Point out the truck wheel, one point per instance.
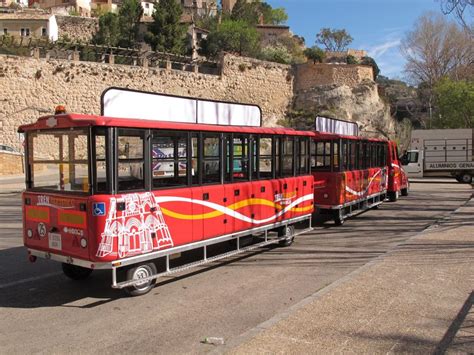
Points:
(75, 272)
(392, 196)
(287, 231)
(338, 216)
(404, 192)
(465, 178)
(140, 272)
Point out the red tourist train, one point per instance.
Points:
(130, 194)
(112, 196)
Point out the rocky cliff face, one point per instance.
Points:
(360, 103)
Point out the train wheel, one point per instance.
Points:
(404, 192)
(140, 272)
(287, 231)
(75, 272)
(465, 178)
(339, 216)
(393, 196)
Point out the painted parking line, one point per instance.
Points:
(29, 279)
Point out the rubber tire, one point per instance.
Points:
(146, 269)
(338, 217)
(289, 232)
(465, 178)
(404, 192)
(75, 272)
(392, 196)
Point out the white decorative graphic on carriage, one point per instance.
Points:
(138, 228)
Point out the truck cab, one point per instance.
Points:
(412, 162)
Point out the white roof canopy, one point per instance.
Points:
(126, 103)
(332, 125)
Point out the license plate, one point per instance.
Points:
(54, 240)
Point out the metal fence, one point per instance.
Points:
(70, 50)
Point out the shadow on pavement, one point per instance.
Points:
(460, 335)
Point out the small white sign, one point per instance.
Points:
(54, 240)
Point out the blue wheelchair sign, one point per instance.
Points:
(98, 209)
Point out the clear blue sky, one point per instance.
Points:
(376, 25)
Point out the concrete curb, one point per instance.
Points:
(251, 333)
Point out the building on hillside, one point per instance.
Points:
(194, 37)
(270, 34)
(102, 6)
(228, 5)
(148, 7)
(341, 56)
(67, 7)
(199, 7)
(7, 3)
(29, 24)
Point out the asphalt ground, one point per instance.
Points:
(42, 311)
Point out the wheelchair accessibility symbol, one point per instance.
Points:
(98, 209)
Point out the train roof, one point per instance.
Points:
(331, 136)
(79, 120)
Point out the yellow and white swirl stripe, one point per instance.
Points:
(364, 192)
(231, 210)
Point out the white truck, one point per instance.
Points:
(441, 153)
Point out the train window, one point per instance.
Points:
(277, 157)
(323, 156)
(363, 155)
(240, 160)
(353, 164)
(371, 155)
(195, 167)
(169, 160)
(101, 184)
(288, 157)
(211, 159)
(265, 160)
(335, 156)
(303, 156)
(345, 155)
(130, 160)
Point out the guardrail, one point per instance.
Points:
(78, 51)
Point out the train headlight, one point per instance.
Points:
(83, 242)
(326, 195)
(29, 233)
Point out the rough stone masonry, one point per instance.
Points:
(34, 87)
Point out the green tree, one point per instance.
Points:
(278, 54)
(108, 33)
(455, 104)
(253, 12)
(244, 11)
(232, 36)
(333, 39)
(129, 17)
(350, 59)
(166, 33)
(279, 16)
(371, 61)
(315, 54)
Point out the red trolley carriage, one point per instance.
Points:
(350, 174)
(398, 183)
(121, 194)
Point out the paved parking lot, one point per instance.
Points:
(42, 311)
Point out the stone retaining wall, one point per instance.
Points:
(11, 164)
(309, 75)
(33, 87)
